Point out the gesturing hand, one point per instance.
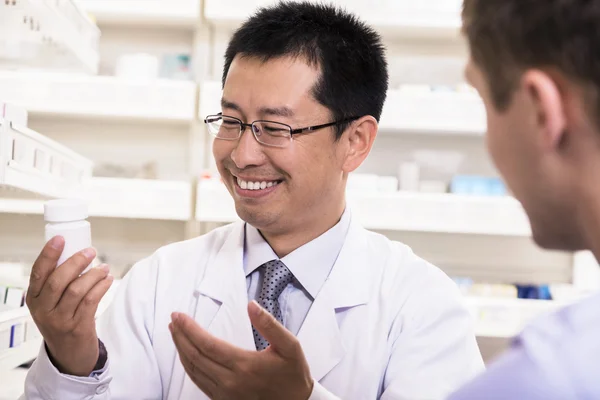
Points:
(223, 371)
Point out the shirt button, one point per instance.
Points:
(101, 389)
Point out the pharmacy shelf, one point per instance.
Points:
(33, 163)
(169, 13)
(504, 318)
(123, 198)
(140, 199)
(458, 113)
(414, 212)
(406, 111)
(435, 19)
(48, 34)
(69, 95)
(26, 351)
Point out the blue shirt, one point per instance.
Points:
(310, 264)
(556, 359)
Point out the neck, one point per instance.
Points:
(283, 243)
(590, 221)
(588, 191)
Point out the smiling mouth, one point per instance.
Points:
(255, 185)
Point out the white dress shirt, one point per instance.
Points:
(310, 264)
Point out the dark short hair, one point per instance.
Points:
(507, 37)
(349, 54)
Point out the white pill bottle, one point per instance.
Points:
(67, 218)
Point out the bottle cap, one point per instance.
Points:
(65, 210)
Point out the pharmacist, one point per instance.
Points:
(345, 313)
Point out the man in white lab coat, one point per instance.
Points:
(344, 313)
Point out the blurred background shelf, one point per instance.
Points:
(12, 358)
(18, 323)
(171, 13)
(48, 34)
(433, 19)
(141, 199)
(123, 198)
(433, 113)
(504, 318)
(33, 163)
(70, 95)
(28, 350)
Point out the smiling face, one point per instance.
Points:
(281, 189)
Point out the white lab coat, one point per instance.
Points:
(386, 324)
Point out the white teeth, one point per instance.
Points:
(255, 185)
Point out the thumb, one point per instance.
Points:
(281, 340)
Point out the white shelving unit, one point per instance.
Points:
(171, 13)
(27, 350)
(48, 33)
(141, 199)
(31, 162)
(433, 113)
(413, 212)
(69, 95)
(504, 318)
(425, 19)
(16, 356)
(123, 198)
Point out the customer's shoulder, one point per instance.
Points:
(564, 345)
(577, 323)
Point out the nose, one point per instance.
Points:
(248, 152)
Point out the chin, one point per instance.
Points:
(259, 219)
(555, 238)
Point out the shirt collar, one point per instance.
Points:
(310, 263)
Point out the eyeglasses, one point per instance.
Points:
(269, 133)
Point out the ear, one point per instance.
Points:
(544, 91)
(360, 137)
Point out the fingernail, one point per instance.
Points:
(56, 242)
(104, 267)
(89, 253)
(256, 310)
(110, 277)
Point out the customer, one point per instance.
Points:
(304, 86)
(536, 64)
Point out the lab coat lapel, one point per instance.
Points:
(222, 301)
(345, 288)
(223, 295)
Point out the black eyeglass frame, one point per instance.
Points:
(308, 129)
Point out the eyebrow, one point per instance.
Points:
(273, 111)
(228, 104)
